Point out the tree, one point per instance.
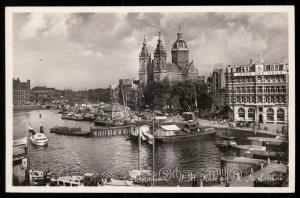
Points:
(157, 94)
(180, 96)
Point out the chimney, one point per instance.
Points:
(251, 61)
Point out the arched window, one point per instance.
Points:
(251, 113)
(280, 114)
(241, 113)
(270, 114)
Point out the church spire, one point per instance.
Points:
(179, 34)
(145, 42)
(159, 46)
(144, 51)
(159, 40)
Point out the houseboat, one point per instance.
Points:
(170, 133)
(268, 142)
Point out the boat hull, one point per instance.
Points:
(85, 134)
(38, 143)
(179, 138)
(136, 138)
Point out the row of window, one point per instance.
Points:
(259, 99)
(270, 114)
(273, 67)
(251, 68)
(277, 78)
(245, 69)
(267, 89)
(260, 79)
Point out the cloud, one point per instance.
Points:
(96, 49)
(43, 25)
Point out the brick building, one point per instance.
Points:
(21, 92)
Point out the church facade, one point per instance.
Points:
(158, 69)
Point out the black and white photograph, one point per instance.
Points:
(150, 99)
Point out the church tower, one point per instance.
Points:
(159, 61)
(144, 61)
(180, 51)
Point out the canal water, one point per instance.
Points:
(107, 155)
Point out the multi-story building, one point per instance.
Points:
(129, 92)
(43, 94)
(21, 92)
(114, 93)
(258, 92)
(218, 88)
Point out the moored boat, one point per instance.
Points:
(225, 142)
(172, 133)
(74, 131)
(38, 139)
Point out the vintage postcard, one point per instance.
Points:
(150, 99)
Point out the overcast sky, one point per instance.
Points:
(82, 50)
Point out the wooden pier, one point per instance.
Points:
(112, 131)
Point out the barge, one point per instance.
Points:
(74, 131)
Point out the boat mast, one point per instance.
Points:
(139, 155)
(153, 173)
(123, 96)
(196, 104)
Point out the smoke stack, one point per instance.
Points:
(251, 61)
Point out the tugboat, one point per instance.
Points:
(38, 139)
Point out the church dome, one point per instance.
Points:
(180, 43)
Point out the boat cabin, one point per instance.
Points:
(70, 181)
(167, 130)
(247, 150)
(226, 140)
(264, 141)
(188, 116)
